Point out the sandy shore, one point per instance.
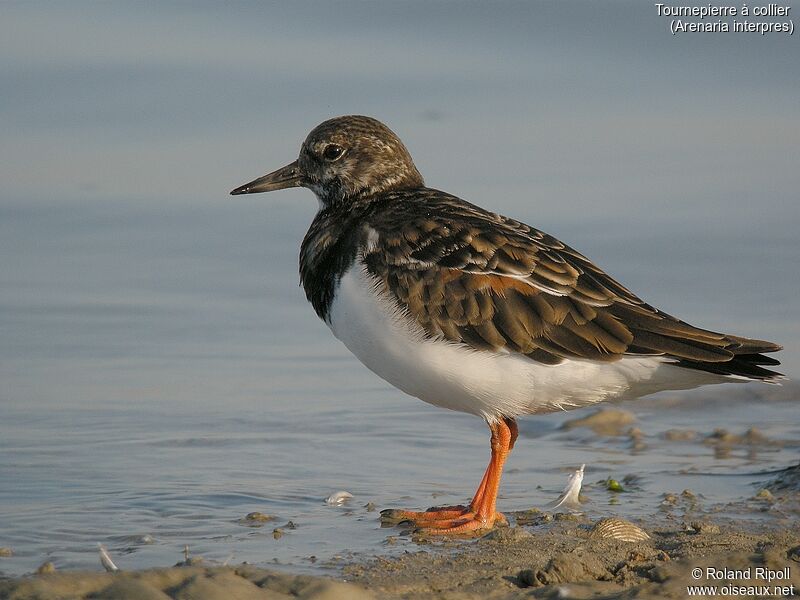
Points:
(565, 560)
(562, 561)
(541, 556)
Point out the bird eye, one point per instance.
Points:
(332, 152)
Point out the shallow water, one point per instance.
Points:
(161, 374)
(163, 377)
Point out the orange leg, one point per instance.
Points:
(481, 513)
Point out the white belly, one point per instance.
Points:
(491, 385)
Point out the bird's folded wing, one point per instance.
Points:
(493, 283)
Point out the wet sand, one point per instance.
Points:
(560, 561)
(542, 555)
(565, 560)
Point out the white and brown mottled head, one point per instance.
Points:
(345, 158)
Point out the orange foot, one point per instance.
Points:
(393, 516)
(443, 520)
(468, 523)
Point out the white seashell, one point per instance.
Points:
(106, 561)
(338, 498)
(619, 529)
(569, 498)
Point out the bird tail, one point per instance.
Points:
(748, 361)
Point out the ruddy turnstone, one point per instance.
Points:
(472, 311)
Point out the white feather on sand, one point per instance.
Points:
(570, 497)
(106, 561)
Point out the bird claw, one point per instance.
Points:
(469, 524)
(443, 520)
(393, 516)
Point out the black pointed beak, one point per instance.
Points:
(285, 177)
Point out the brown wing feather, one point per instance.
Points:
(490, 282)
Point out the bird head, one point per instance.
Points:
(344, 158)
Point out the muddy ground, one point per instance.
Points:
(542, 555)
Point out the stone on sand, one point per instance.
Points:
(608, 422)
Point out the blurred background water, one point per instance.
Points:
(161, 374)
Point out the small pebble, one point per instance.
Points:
(507, 535)
(670, 499)
(257, 517)
(764, 494)
(608, 422)
(679, 435)
(339, 498)
(636, 436)
(703, 527)
(277, 533)
(46, 568)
